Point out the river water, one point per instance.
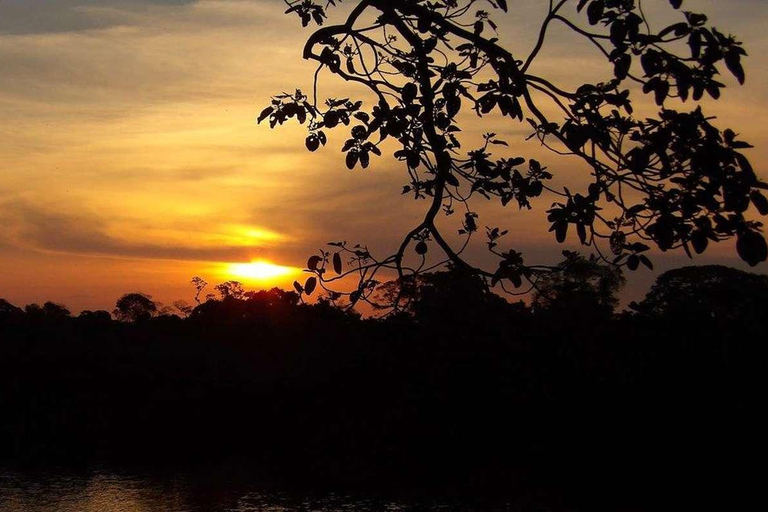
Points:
(110, 490)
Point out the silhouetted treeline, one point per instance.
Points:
(461, 388)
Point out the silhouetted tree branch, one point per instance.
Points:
(673, 181)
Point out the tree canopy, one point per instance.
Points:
(708, 292)
(672, 180)
(135, 307)
(583, 286)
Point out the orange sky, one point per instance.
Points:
(131, 161)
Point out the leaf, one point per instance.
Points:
(351, 160)
(561, 231)
(310, 285)
(699, 241)
(647, 262)
(410, 91)
(365, 159)
(595, 11)
(313, 262)
(264, 114)
(662, 91)
(337, 263)
(348, 144)
(695, 41)
(582, 232)
(633, 262)
(312, 143)
(752, 248)
(733, 63)
(298, 287)
(760, 202)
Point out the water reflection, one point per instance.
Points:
(130, 491)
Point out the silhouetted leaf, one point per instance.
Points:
(760, 202)
(337, 263)
(310, 285)
(409, 92)
(313, 262)
(733, 63)
(561, 231)
(365, 159)
(312, 142)
(264, 114)
(595, 11)
(581, 230)
(699, 241)
(662, 91)
(752, 248)
(351, 160)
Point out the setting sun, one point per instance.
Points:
(259, 270)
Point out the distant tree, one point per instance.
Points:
(49, 311)
(8, 311)
(95, 316)
(183, 307)
(135, 307)
(707, 292)
(273, 297)
(453, 295)
(230, 289)
(33, 309)
(672, 179)
(199, 284)
(582, 286)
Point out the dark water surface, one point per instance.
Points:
(196, 490)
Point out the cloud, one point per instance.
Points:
(46, 16)
(31, 227)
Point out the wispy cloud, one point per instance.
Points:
(31, 227)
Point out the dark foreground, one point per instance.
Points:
(207, 489)
(550, 411)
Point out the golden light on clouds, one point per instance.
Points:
(250, 234)
(260, 271)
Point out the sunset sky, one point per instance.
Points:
(130, 159)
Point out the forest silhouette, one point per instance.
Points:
(459, 388)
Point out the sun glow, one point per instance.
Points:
(259, 270)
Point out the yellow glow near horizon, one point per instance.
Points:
(259, 270)
(256, 234)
